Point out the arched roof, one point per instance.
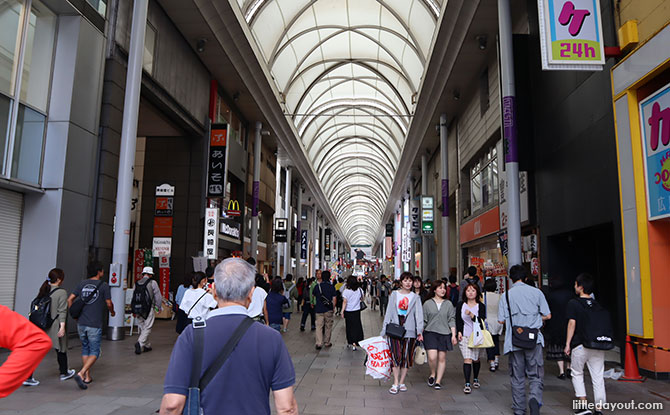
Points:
(348, 73)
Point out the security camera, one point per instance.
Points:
(200, 45)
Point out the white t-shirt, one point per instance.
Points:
(201, 307)
(402, 303)
(255, 308)
(353, 299)
(439, 305)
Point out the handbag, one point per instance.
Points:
(480, 337)
(522, 337)
(198, 384)
(362, 305)
(395, 330)
(78, 304)
(420, 354)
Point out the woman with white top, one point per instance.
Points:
(197, 301)
(468, 313)
(351, 311)
(491, 300)
(439, 333)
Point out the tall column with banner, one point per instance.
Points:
(327, 235)
(425, 238)
(216, 166)
(288, 214)
(298, 237)
(406, 236)
(315, 230)
(397, 246)
(281, 230)
(415, 225)
(256, 190)
(444, 173)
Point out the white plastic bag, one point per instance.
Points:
(378, 364)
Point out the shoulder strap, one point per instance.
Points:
(194, 304)
(54, 290)
(198, 348)
(509, 308)
(225, 353)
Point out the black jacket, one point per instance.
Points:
(459, 319)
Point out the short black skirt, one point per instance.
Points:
(436, 341)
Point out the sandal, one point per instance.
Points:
(475, 383)
(393, 390)
(467, 388)
(402, 387)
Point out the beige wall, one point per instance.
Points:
(651, 15)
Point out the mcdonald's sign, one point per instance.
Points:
(233, 208)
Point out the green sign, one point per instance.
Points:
(427, 228)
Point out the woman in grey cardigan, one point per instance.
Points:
(439, 332)
(57, 333)
(404, 308)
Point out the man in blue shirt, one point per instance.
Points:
(260, 362)
(324, 299)
(529, 309)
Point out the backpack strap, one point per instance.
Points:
(225, 353)
(199, 325)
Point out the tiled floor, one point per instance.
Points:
(330, 381)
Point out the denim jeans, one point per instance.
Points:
(275, 326)
(90, 340)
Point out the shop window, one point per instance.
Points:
(148, 56)
(10, 18)
(484, 182)
(37, 57)
(27, 157)
(99, 5)
(5, 109)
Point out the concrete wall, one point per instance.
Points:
(651, 15)
(56, 224)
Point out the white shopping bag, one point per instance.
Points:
(378, 364)
(477, 336)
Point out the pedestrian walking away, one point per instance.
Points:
(404, 311)
(307, 307)
(453, 291)
(257, 309)
(470, 311)
(439, 333)
(492, 300)
(558, 296)
(88, 304)
(384, 291)
(147, 301)
(524, 308)
(351, 306)
(197, 301)
(471, 278)
(291, 294)
(275, 303)
(588, 335)
(324, 300)
(258, 362)
(49, 309)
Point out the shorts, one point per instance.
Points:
(90, 340)
(437, 341)
(287, 316)
(467, 352)
(275, 326)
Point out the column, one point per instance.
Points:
(510, 133)
(278, 214)
(398, 242)
(315, 230)
(256, 189)
(444, 173)
(298, 236)
(289, 216)
(124, 187)
(412, 243)
(425, 239)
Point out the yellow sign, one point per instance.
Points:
(233, 208)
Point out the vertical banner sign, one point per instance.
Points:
(216, 167)
(326, 245)
(655, 119)
(281, 229)
(445, 197)
(406, 242)
(427, 215)
(164, 276)
(415, 218)
(303, 244)
(255, 198)
(138, 264)
(211, 241)
(571, 36)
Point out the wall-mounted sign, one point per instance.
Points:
(211, 239)
(427, 215)
(415, 218)
(281, 229)
(571, 35)
(216, 167)
(405, 236)
(163, 226)
(326, 245)
(115, 275)
(303, 244)
(164, 206)
(523, 198)
(655, 119)
(230, 228)
(389, 229)
(161, 247)
(164, 276)
(233, 208)
(165, 190)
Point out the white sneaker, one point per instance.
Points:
(70, 375)
(31, 382)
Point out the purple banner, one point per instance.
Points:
(254, 201)
(445, 198)
(510, 130)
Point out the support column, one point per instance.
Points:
(397, 231)
(256, 190)
(289, 216)
(412, 242)
(298, 236)
(278, 214)
(124, 189)
(444, 173)
(315, 231)
(425, 239)
(510, 133)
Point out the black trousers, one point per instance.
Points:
(383, 302)
(354, 328)
(494, 351)
(307, 309)
(62, 362)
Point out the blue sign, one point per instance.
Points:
(655, 119)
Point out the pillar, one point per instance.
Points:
(289, 216)
(425, 239)
(444, 173)
(298, 237)
(278, 214)
(256, 190)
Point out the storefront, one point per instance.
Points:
(11, 213)
(641, 96)
(479, 241)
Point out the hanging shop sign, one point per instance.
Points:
(571, 36)
(233, 208)
(216, 167)
(427, 215)
(483, 225)
(230, 228)
(303, 244)
(326, 245)
(161, 247)
(211, 239)
(281, 229)
(164, 276)
(655, 119)
(405, 235)
(388, 247)
(164, 190)
(503, 189)
(389, 229)
(415, 218)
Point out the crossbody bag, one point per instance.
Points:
(362, 305)
(522, 337)
(78, 304)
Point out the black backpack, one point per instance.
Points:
(453, 295)
(141, 303)
(596, 327)
(40, 312)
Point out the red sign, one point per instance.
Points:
(113, 279)
(139, 264)
(483, 225)
(162, 227)
(164, 275)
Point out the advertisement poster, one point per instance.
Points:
(164, 276)
(655, 120)
(216, 167)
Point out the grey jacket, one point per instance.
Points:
(439, 321)
(413, 323)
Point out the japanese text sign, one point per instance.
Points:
(655, 129)
(211, 238)
(571, 35)
(216, 167)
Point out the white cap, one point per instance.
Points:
(148, 270)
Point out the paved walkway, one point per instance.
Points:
(330, 381)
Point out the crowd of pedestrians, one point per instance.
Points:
(564, 325)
